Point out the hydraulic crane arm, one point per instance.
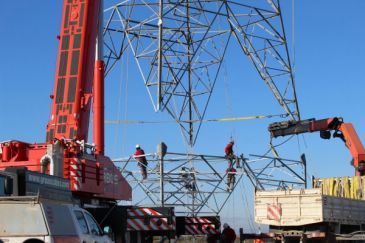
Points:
(345, 131)
(311, 125)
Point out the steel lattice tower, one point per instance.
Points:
(180, 45)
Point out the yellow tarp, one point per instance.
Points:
(348, 187)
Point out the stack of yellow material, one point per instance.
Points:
(348, 187)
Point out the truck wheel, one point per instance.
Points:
(33, 241)
(290, 241)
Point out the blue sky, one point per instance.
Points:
(329, 64)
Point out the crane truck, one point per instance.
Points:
(96, 184)
(38, 208)
(334, 209)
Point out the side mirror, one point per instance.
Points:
(109, 232)
(106, 230)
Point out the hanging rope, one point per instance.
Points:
(251, 225)
(272, 147)
(233, 212)
(293, 35)
(227, 96)
(118, 110)
(243, 118)
(126, 105)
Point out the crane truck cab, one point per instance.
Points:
(39, 208)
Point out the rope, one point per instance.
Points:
(116, 131)
(248, 212)
(228, 99)
(119, 102)
(124, 133)
(272, 147)
(293, 34)
(243, 118)
(234, 208)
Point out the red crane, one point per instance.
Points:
(79, 82)
(342, 130)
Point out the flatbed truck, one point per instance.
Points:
(320, 214)
(307, 214)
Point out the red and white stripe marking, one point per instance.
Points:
(199, 226)
(135, 220)
(274, 212)
(75, 174)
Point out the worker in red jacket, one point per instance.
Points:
(228, 235)
(139, 155)
(229, 154)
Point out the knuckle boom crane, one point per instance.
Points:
(331, 211)
(345, 131)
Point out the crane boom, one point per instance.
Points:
(79, 82)
(74, 75)
(345, 131)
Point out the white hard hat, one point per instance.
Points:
(137, 146)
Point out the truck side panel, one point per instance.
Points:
(21, 219)
(295, 207)
(343, 210)
(303, 207)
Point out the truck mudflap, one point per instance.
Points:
(151, 219)
(207, 225)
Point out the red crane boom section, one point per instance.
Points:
(74, 74)
(355, 146)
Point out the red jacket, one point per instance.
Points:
(229, 149)
(141, 159)
(228, 235)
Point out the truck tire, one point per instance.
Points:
(33, 241)
(290, 240)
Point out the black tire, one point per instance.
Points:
(33, 241)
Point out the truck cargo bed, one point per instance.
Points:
(306, 206)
